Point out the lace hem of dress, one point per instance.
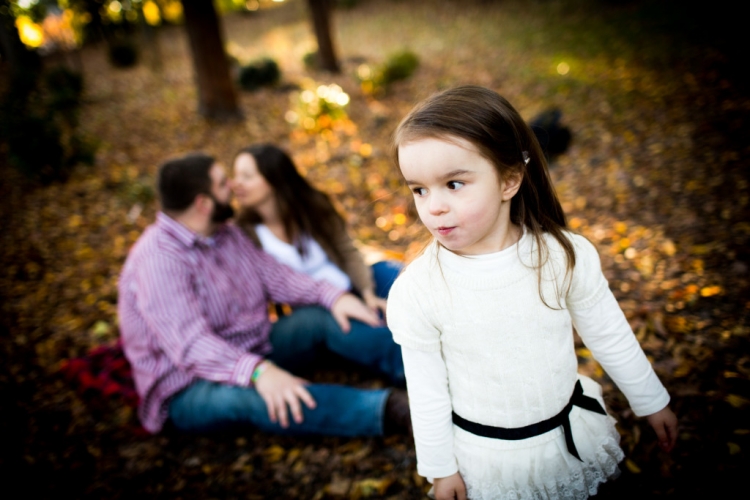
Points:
(576, 480)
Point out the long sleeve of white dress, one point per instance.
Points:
(430, 404)
(605, 331)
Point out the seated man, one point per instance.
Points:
(192, 304)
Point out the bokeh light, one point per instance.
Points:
(31, 33)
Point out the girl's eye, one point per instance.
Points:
(419, 191)
(454, 185)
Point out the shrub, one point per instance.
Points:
(399, 66)
(318, 107)
(38, 123)
(65, 89)
(34, 147)
(310, 60)
(123, 53)
(258, 74)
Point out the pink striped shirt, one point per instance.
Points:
(192, 307)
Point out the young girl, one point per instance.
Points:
(485, 315)
(297, 224)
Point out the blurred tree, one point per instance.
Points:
(321, 16)
(217, 98)
(94, 29)
(11, 47)
(151, 39)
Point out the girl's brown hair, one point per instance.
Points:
(302, 208)
(493, 126)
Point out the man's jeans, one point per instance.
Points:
(340, 410)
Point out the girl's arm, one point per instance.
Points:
(606, 332)
(430, 404)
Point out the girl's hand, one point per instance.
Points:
(450, 488)
(374, 302)
(664, 423)
(349, 306)
(280, 389)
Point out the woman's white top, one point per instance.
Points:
(478, 340)
(315, 262)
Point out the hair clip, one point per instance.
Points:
(525, 157)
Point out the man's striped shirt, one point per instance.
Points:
(192, 307)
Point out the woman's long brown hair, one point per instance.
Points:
(496, 129)
(302, 208)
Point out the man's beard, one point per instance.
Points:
(222, 212)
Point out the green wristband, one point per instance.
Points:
(259, 369)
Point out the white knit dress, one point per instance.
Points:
(507, 360)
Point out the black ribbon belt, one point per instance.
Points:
(516, 433)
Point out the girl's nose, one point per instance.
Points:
(437, 205)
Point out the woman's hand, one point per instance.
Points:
(450, 488)
(348, 306)
(374, 302)
(279, 388)
(664, 423)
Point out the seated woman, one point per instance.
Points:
(297, 224)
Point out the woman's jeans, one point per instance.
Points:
(340, 410)
(384, 273)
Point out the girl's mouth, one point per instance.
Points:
(443, 231)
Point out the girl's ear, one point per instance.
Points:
(511, 185)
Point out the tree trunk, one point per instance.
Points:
(17, 55)
(94, 28)
(151, 38)
(217, 98)
(321, 15)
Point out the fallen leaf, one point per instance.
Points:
(274, 453)
(339, 486)
(737, 401)
(632, 466)
(370, 487)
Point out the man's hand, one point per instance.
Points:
(348, 306)
(450, 488)
(664, 423)
(374, 302)
(279, 388)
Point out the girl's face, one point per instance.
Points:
(459, 194)
(249, 186)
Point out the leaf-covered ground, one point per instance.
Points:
(656, 177)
